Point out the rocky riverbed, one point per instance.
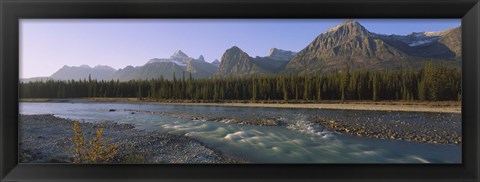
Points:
(47, 139)
(439, 132)
(216, 118)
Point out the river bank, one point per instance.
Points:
(47, 139)
(401, 106)
(279, 135)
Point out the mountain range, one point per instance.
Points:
(352, 44)
(348, 43)
(178, 63)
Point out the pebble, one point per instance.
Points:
(441, 132)
(57, 147)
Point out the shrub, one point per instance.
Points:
(96, 150)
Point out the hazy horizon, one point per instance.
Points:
(47, 45)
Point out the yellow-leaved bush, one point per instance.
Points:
(95, 150)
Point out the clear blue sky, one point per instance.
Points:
(47, 45)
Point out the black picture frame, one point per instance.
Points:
(13, 10)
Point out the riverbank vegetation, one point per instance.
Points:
(95, 150)
(434, 82)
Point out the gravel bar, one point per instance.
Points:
(438, 132)
(219, 118)
(434, 132)
(47, 139)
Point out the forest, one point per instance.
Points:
(433, 82)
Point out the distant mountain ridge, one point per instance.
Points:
(179, 63)
(83, 72)
(348, 43)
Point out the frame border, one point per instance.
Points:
(13, 10)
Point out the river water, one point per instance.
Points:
(299, 141)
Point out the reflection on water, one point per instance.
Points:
(299, 141)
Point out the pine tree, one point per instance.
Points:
(374, 87)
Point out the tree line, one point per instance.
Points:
(433, 82)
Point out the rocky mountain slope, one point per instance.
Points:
(235, 62)
(352, 44)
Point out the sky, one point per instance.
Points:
(46, 45)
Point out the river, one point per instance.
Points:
(298, 141)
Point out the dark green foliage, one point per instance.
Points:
(439, 83)
(433, 82)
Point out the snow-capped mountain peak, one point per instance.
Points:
(421, 42)
(160, 60)
(421, 38)
(280, 54)
(178, 55)
(179, 58)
